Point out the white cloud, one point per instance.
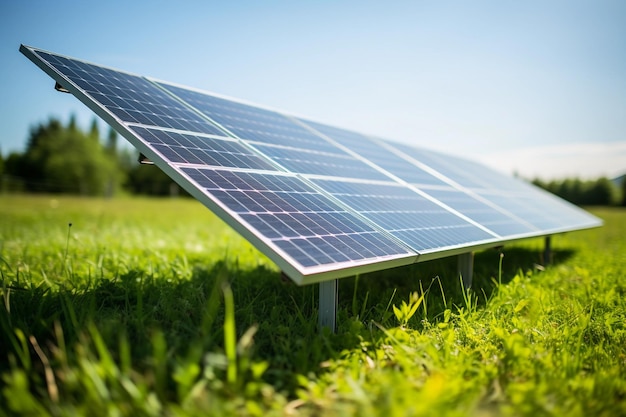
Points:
(583, 160)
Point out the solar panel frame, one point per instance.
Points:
(199, 126)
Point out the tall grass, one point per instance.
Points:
(154, 307)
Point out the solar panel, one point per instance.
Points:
(320, 201)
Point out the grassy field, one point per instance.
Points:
(134, 307)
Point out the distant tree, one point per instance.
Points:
(2, 180)
(599, 193)
(623, 191)
(539, 183)
(64, 159)
(149, 179)
(72, 124)
(94, 130)
(110, 150)
(554, 187)
(570, 189)
(30, 166)
(13, 167)
(111, 144)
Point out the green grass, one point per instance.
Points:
(154, 307)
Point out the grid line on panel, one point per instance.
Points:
(250, 122)
(397, 168)
(189, 148)
(130, 98)
(405, 214)
(489, 209)
(370, 150)
(499, 221)
(542, 212)
(448, 170)
(312, 162)
(520, 201)
(285, 141)
(296, 218)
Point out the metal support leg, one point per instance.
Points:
(547, 251)
(328, 304)
(466, 268)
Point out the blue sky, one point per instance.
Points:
(534, 87)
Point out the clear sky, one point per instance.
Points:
(536, 87)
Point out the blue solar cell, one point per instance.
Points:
(544, 212)
(265, 202)
(251, 122)
(494, 218)
(183, 148)
(286, 142)
(305, 161)
(130, 98)
(369, 149)
(463, 172)
(415, 220)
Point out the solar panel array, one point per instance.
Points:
(321, 202)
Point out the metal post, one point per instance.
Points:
(547, 251)
(466, 268)
(328, 304)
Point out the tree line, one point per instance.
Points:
(598, 192)
(65, 159)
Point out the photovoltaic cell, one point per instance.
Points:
(305, 161)
(448, 168)
(299, 220)
(520, 200)
(498, 221)
(281, 138)
(130, 98)
(322, 202)
(250, 122)
(541, 211)
(367, 148)
(415, 220)
(183, 148)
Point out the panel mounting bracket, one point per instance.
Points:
(327, 316)
(465, 268)
(144, 160)
(60, 88)
(547, 251)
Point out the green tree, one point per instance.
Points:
(13, 165)
(539, 183)
(624, 191)
(111, 144)
(72, 124)
(149, 179)
(570, 189)
(94, 130)
(599, 193)
(2, 179)
(65, 159)
(110, 150)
